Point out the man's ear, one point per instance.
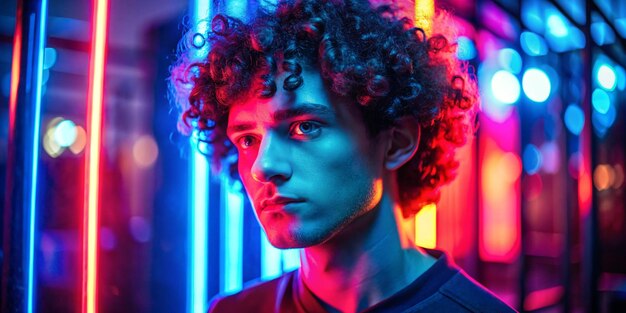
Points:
(403, 142)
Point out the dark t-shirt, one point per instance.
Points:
(442, 288)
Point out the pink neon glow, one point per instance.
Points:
(500, 170)
(456, 221)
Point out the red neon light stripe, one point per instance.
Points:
(15, 73)
(94, 126)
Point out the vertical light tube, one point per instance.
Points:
(232, 235)
(32, 216)
(424, 12)
(232, 208)
(426, 218)
(291, 259)
(426, 226)
(199, 213)
(94, 117)
(271, 259)
(15, 71)
(199, 231)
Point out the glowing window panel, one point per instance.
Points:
(602, 34)
(606, 77)
(556, 25)
(510, 59)
(550, 153)
(603, 121)
(533, 44)
(532, 159)
(543, 18)
(621, 77)
(574, 119)
(536, 85)
(505, 87)
(94, 117)
(601, 101)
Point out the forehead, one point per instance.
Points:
(312, 94)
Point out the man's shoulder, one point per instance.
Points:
(470, 294)
(258, 296)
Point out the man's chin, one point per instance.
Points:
(293, 240)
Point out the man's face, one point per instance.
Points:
(306, 162)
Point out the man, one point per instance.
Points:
(343, 120)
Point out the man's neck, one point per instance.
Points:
(369, 261)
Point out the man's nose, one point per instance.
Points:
(271, 162)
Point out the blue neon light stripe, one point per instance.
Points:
(291, 259)
(200, 10)
(232, 237)
(199, 231)
(271, 259)
(35, 157)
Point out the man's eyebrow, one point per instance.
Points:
(306, 108)
(239, 128)
(281, 115)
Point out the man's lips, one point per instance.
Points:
(277, 202)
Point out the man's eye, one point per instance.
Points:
(305, 128)
(245, 142)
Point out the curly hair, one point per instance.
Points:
(382, 61)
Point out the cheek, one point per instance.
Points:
(243, 167)
(337, 166)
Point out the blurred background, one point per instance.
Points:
(107, 207)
